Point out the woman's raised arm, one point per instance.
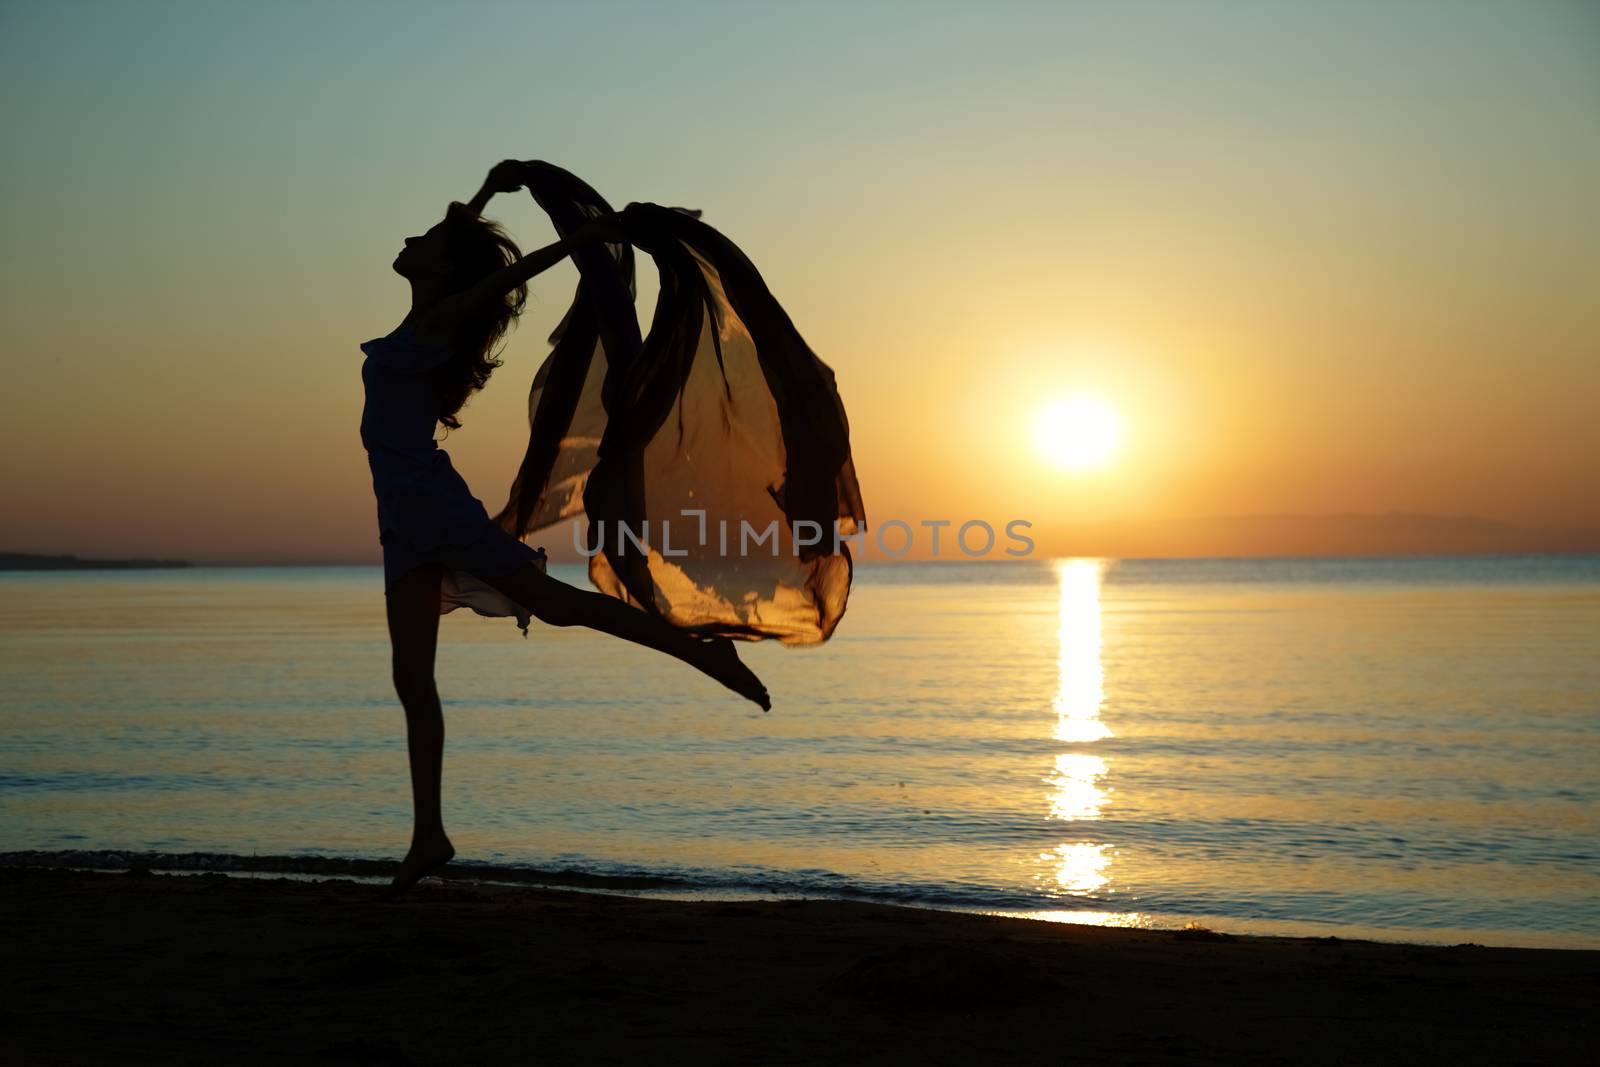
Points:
(504, 177)
(469, 304)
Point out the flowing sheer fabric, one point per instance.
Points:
(711, 457)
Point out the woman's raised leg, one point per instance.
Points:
(556, 603)
(414, 634)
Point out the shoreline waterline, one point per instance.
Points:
(669, 887)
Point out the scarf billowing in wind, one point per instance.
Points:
(718, 440)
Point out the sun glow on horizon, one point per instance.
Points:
(1079, 433)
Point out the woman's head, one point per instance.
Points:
(451, 257)
(456, 251)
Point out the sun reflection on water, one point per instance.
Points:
(1080, 684)
(1075, 791)
(1080, 868)
(1076, 795)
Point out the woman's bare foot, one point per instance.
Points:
(424, 858)
(720, 660)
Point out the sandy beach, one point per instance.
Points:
(136, 967)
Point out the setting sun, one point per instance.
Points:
(1079, 433)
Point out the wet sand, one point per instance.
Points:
(131, 967)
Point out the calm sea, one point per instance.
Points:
(1394, 748)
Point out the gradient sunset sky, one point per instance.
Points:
(1320, 258)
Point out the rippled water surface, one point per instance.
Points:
(1363, 747)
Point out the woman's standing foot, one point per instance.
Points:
(425, 857)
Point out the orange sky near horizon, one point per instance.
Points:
(1319, 259)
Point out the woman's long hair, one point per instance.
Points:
(475, 247)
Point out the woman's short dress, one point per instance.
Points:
(426, 512)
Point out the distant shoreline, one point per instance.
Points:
(28, 561)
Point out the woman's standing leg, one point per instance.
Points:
(414, 634)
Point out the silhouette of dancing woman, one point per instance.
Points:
(468, 283)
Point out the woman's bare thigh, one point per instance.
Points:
(548, 599)
(413, 608)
